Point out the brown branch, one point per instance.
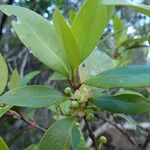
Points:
(122, 131)
(91, 134)
(144, 146)
(32, 124)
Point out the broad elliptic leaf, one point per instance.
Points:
(127, 77)
(32, 96)
(145, 9)
(3, 145)
(38, 36)
(3, 74)
(89, 25)
(66, 39)
(28, 77)
(14, 80)
(57, 137)
(72, 15)
(123, 103)
(96, 63)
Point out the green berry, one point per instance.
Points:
(103, 140)
(89, 117)
(89, 110)
(77, 124)
(74, 104)
(77, 94)
(68, 91)
(83, 99)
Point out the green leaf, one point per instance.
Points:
(57, 76)
(27, 78)
(135, 41)
(31, 96)
(120, 32)
(42, 42)
(89, 25)
(123, 103)
(66, 39)
(136, 6)
(110, 12)
(4, 109)
(32, 147)
(76, 138)
(96, 63)
(128, 92)
(127, 77)
(3, 145)
(65, 106)
(82, 145)
(72, 15)
(14, 80)
(57, 137)
(3, 74)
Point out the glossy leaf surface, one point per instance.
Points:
(123, 103)
(127, 77)
(42, 42)
(89, 25)
(58, 135)
(96, 63)
(31, 96)
(66, 39)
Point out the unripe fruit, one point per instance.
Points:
(77, 124)
(77, 94)
(74, 104)
(68, 91)
(89, 110)
(103, 140)
(89, 117)
(83, 99)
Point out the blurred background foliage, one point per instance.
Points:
(126, 43)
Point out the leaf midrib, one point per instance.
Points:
(46, 46)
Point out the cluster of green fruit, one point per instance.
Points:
(80, 102)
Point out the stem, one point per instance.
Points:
(146, 142)
(91, 134)
(122, 131)
(32, 124)
(100, 146)
(74, 82)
